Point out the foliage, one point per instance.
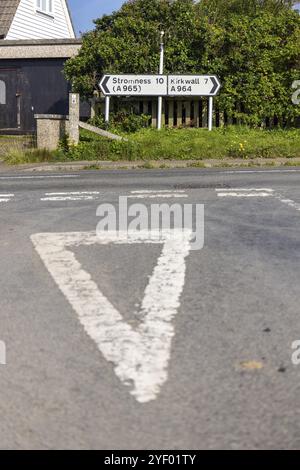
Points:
(252, 45)
(122, 121)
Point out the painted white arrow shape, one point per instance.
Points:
(141, 355)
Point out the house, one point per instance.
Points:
(35, 19)
(36, 38)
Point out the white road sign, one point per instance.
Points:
(193, 85)
(134, 85)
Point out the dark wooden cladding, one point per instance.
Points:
(34, 86)
(9, 105)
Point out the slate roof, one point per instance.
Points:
(8, 10)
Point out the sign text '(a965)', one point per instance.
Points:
(134, 85)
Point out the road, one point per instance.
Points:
(224, 376)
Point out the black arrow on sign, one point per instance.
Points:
(104, 85)
(215, 85)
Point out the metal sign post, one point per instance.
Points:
(210, 113)
(107, 106)
(161, 71)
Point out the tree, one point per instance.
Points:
(253, 45)
(128, 41)
(258, 60)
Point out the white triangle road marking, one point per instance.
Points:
(140, 356)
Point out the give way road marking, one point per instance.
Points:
(140, 356)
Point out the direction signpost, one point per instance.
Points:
(134, 85)
(161, 85)
(193, 85)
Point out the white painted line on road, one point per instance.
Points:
(259, 171)
(168, 191)
(72, 196)
(288, 202)
(68, 198)
(265, 190)
(245, 195)
(244, 192)
(140, 355)
(158, 196)
(6, 197)
(256, 192)
(73, 193)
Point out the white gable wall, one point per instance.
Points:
(28, 23)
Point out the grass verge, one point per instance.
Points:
(173, 144)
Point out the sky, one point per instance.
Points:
(84, 11)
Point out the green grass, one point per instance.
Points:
(197, 144)
(174, 144)
(12, 143)
(232, 142)
(20, 157)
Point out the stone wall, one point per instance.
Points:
(51, 128)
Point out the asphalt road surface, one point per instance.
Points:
(84, 371)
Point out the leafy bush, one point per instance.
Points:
(102, 149)
(122, 121)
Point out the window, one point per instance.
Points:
(45, 6)
(2, 92)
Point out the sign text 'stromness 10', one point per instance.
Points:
(134, 85)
